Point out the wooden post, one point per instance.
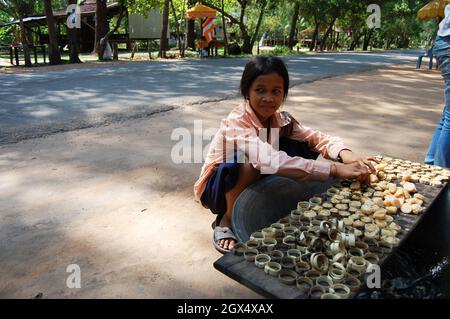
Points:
(35, 54)
(225, 38)
(201, 31)
(43, 52)
(149, 49)
(337, 41)
(115, 51)
(134, 46)
(11, 59)
(16, 54)
(39, 34)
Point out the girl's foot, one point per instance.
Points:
(227, 243)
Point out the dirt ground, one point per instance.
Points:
(110, 199)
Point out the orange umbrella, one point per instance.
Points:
(201, 11)
(434, 9)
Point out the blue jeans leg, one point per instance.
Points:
(442, 154)
(439, 150)
(430, 157)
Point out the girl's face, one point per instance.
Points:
(266, 95)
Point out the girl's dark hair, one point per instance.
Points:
(262, 66)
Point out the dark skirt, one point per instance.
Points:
(226, 176)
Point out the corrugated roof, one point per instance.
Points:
(28, 19)
(87, 8)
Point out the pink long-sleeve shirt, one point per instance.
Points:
(242, 130)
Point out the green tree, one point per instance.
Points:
(165, 24)
(294, 20)
(190, 33)
(177, 27)
(400, 25)
(334, 9)
(101, 27)
(6, 33)
(73, 40)
(19, 9)
(53, 47)
(278, 20)
(354, 22)
(248, 34)
(312, 11)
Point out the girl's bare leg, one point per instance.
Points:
(247, 176)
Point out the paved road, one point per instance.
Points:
(110, 199)
(42, 103)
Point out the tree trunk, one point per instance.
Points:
(247, 47)
(312, 46)
(26, 49)
(358, 41)
(225, 38)
(331, 42)
(403, 41)
(73, 46)
(104, 40)
(116, 27)
(355, 42)
(190, 38)
(25, 9)
(327, 34)
(29, 35)
(389, 42)
(73, 41)
(258, 25)
(430, 41)
(293, 25)
(53, 48)
(101, 26)
(336, 42)
(352, 45)
(178, 30)
(165, 23)
(367, 38)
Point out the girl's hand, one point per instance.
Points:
(356, 170)
(349, 157)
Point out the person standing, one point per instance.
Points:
(243, 151)
(439, 149)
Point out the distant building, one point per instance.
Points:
(86, 35)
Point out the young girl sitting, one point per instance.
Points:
(245, 148)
